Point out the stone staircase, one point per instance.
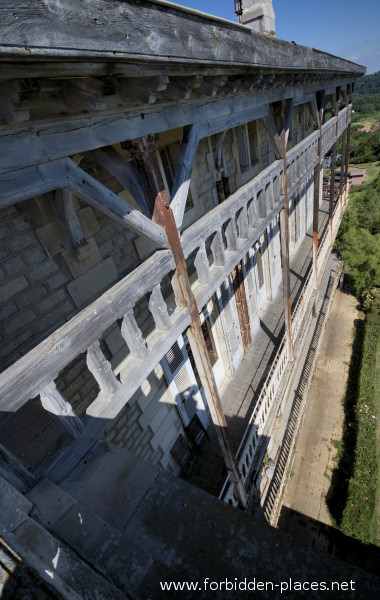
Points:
(118, 526)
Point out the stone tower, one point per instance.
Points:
(259, 15)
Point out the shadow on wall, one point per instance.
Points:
(328, 539)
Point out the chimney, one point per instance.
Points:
(257, 14)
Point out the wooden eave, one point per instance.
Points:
(138, 31)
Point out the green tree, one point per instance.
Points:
(359, 237)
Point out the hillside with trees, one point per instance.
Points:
(365, 145)
(354, 496)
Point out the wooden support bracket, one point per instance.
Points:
(53, 401)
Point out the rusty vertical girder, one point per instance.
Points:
(223, 190)
(347, 160)
(163, 215)
(242, 307)
(284, 228)
(343, 162)
(332, 191)
(333, 165)
(317, 185)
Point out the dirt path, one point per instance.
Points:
(313, 462)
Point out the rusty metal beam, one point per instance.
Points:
(343, 162)
(237, 277)
(317, 185)
(163, 215)
(284, 228)
(332, 190)
(242, 307)
(285, 259)
(335, 106)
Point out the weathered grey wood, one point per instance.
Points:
(84, 94)
(231, 235)
(202, 265)
(262, 205)
(159, 310)
(143, 89)
(10, 114)
(314, 112)
(271, 128)
(243, 223)
(69, 136)
(53, 401)
(269, 196)
(90, 190)
(123, 171)
(64, 208)
(215, 219)
(288, 118)
(182, 176)
(22, 184)
(14, 471)
(277, 189)
(133, 336)
(9, 96)
(38, 368)
(253, 213)
(101, 369)
(217, 247)
(101, 412)
(219, 148)
(27, 27)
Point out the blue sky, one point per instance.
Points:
(346, 28)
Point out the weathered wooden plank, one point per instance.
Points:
(182, 177)
(231, 234)
(159, 309)
(123, 29)
(38, 368)
(270, 126)
(32, 181)
(288, 118)
(34, 371)
(101, 369)
(101, 413)
(90, 190)
(84, 94)
(218, 250)
(243, 223)
(53, 401)
(63, 204)
(123, 171)
(22, 146)
(202, 265)
(132, 335)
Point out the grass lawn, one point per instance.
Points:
(360, 516)
(376, 531)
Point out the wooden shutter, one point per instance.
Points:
(183, 385)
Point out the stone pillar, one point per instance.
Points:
(259, 15)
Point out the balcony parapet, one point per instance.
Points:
(243, 217)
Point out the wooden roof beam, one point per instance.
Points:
(94, 193)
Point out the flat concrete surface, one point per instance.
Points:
(310, 476)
